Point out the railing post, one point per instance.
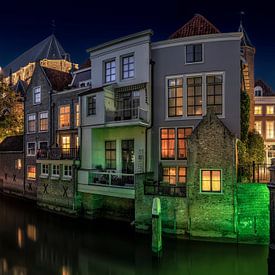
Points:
(253, 171)
(110, 179)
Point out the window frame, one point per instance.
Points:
(177, 182)
(33, 93)
(221, 181)
(52, 171)
(194, 62)
(105, 75)
(261, 126)
(28, 115)
(261, 110)
(44, 174)
(266, 108)
(59, 116)
(176, 128)
(39, 121)
(128, 64)
(93, 105)
(28, 178)
(71, 169)
(111, 150)
(76, 115)
(35, 148)
(266, 135)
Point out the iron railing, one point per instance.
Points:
(255, 172)
(127, 114)
(58, 153)
(162, 189)
(112, 179)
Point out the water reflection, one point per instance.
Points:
(49, 244)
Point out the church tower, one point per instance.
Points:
(247, 56)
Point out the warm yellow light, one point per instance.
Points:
(20, 237)
(32, 232)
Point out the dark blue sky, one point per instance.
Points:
(82, 24)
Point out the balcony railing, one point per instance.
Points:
(161, 189)
(58, 153)
(135, 114)
(112, 179)
(255, 172)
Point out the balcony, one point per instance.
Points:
(160, 189)
(58, 153)
(137, 115)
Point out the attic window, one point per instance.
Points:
(37, 95)
(194, 53)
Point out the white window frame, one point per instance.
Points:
(44, 174)
(104, 70)
(204, 95)
(67, 176)
(34, 94)
(35, 148)
(261, 108)
(55, 175)
(185, 53)
(35, 126)
(39, 114)
(122, 66)
(266, 135)
(266, 110)
(59, 107)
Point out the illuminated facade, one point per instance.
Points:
(264, 116)
(49, 53)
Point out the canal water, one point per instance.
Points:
(36, 242)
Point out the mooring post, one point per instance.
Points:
(271, 186)
(156, 227)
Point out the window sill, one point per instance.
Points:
(210, 193)
(67, 178)
(43, 176)
(55, 177)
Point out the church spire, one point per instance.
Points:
(246, 42)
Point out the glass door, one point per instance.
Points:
(127, 148)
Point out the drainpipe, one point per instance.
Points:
(24, 151)
(152, 63)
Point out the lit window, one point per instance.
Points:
(194, 96)
(128, 67)
(174, 175)
(64, 116)
(214, 85)
(76, 141)
(77, 115)
(66, 144)
(31, 172)
(258, 110)
(31, 148)
(167, 143)
(44, 169)
(170, 142)
(175, 97)
(110, 71)
(270, 110)
(18, 164)
(211, 181)
(270, 129)
(43, 121)
(55, 170)
(110, 154)
(258, 127)
(194, 53)
(31, 123)
(67, 171)
(36, 95)
(91, 105)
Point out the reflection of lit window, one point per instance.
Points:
(258, 127)
(31, 232)
(65, 270)
(20, 237)
(31, 172)
(269, 129)
(18, 164)
(173, 175)
(211, 181)
(270, 110)
(258, 110)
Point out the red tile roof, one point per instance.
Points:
(59, 80)
(198, 25)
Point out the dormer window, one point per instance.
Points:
(193, 53)
(37, 95)
(258, 91)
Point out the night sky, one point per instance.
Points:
(82, 24)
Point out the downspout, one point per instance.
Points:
(24, 151)
(152, 63)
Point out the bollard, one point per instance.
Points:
(271, 186)
(156, 227)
